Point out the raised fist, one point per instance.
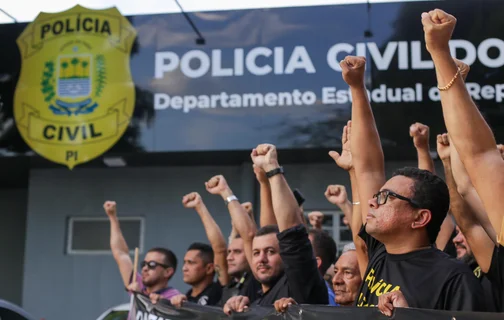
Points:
(316, 218)
(464, 68)
(420, 134)
(260, 175)
(344, 161)
(336, 194)
(216, 185)
(443, 146)
(192, 200)
(438, 28)
(110, 208)
(264, 156)
(353, 70)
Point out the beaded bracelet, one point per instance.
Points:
(448, 86)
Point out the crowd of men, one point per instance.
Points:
(403, 228)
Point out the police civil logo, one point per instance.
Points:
(75, 95)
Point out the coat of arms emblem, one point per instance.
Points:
(75, 95)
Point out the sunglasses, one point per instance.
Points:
(382, 197)
(153, 264)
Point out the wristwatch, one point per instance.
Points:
(230, 198)
(274, 172)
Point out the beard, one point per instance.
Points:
(271, 280)
(468, 259)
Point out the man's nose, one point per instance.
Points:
(373, 203)
(337, 279)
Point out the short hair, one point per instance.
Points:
(349, 247)
(431, 193)
(170, 259)
(324, 247)
(269, 229)
(205, 251)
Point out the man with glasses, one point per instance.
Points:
(157, 268)
(401, 219)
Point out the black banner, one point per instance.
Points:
(143, 309)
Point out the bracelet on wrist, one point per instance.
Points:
(274, 172)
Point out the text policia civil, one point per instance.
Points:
(278, 61)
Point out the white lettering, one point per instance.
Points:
(161, 101)
(250, 99)
(416, 57)
(285, 98)
(189, 103)
(217, 70)
(403, 55)
(379, 94)
(250, 61)
(499, 89)
(270, 99)
(483, 53)
(204, 63)
(176, 103)
(382, 62)
(328, 95)
(434, 94)
(470, 55)
(160, 67)
(488, 92)
(360, 50)
(299, 60)
(279, 60)
(309, 98)
(343, 96)
(238, 63)
(332, 55)
(474, 90)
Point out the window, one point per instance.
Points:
(333, 223)
(88, 235)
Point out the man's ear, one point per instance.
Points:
(319, 262)
(168, 273)
(210, 268)
(422, 218)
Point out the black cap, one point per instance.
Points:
(299, 197)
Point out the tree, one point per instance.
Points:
(75, 62)
(84, 66)
(64, 65)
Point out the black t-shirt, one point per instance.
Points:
(496, 276)
(301, 279)
(492, 304)
(247, 286)
(209, 297)
(428, 278)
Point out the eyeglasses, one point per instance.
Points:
(382, 197)
(153, 264)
